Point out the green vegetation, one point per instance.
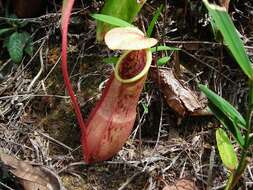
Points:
(230, 118)
(16, 40)
(125, 10)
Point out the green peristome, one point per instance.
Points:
(123, 9)
(139, 75)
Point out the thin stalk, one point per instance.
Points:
(67, 7)
(236, 175)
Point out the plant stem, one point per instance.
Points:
(67, 7)
(236, 175)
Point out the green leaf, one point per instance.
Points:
(217, 35)
(29, 46)
(123, 9)
(163, 60)
(153, 21)
(164, 48)
(111, 60)
(226, 150)
(224, 107)
(225, 25)
(145, 107)
(15, 47)
(228, 124)
(111, 20)
(16, 44)
(5, 30)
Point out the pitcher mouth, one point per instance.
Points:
(133, 65)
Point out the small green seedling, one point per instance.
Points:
(240, 127)
(16, 40)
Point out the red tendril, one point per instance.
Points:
(64, 26)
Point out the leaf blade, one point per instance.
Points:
(224, 106)
(111, 20)
(153, 21)
(125, 10)
(226, 150)
(16, 44)
(225, 25)
(162, 61)
(228, 124)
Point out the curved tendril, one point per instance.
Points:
(67, 7)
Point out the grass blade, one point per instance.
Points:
(153, 21)
(228, 124)
(111, 20)
(225, 25)
(225, 107)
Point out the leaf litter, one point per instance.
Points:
(179, 96)
(31, 177)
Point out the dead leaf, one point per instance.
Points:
(128, 38)
(31, 177)
(182, 184)
(178, 96)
